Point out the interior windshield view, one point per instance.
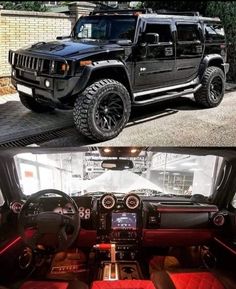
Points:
(117, 217)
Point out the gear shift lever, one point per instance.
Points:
(112, 270)
(107, 247)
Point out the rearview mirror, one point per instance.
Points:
(117, 164)
(151, 38)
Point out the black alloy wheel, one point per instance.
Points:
(102, 110)
(109, 112)
(216, 88)
(212, 90)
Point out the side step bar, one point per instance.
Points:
(168, 95)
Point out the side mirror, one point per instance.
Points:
(151, 38)
(124, 42)
(62, 37)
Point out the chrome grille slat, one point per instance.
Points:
(42, 64)
(24, 62)
(20, 57)
(27, 61)
(17, 59)
(33, 65)
(37, 64)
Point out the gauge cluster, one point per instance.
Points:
(58, 206)
(84, 212)
(67, 209)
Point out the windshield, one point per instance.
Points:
(105, 28)
(81, 173)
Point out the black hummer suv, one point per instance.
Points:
(117, 59)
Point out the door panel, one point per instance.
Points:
(7, 223)
(157, 67)
(189, 51)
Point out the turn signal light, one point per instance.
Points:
(65, 67)
(85, 62)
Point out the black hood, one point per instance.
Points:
(70, 47)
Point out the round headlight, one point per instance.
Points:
(47, 83)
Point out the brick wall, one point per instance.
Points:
(20, 28)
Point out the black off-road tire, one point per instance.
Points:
(87, 105)
(30, 103)
(204, 96)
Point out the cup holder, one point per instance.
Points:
(128, 269)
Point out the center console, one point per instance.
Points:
(120, 226)
(125, 234)
(120, 223)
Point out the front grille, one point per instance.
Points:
(40, 65)
(31, 63)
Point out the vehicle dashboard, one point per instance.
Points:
(138, 220)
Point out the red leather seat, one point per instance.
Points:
(185, 280)
(123, 284)
(54, 285)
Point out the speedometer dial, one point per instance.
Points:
(69, 209)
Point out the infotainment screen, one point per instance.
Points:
(124, 221)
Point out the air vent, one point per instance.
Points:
(132, 201)
(108, 201)
(16, 207)
(219, 220)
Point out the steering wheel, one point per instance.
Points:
(50, 229)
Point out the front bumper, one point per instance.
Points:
(60, 92)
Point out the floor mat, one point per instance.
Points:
(69, 266)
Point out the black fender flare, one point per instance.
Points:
(98, 65)
(217, 59)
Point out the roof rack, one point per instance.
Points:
(120, 12)
(185, 13)
(142, 11)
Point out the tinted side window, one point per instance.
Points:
(162, 29)
(214, 32)
(188, 32)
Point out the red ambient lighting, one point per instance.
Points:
(8, 246)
